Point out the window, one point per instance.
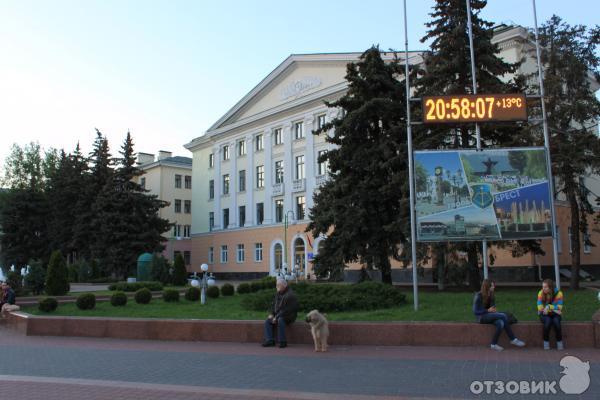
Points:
(242, 180)
(226, 184)
(241, 148)
(177, 205)
(188, 182)
(177, 181)
(225, 153)
(224, 254)
(279, 210)
(211, 221)
(259, 142)
(187, 257)
(300, 207)
(277, 136)
(143, 183)
(260, 213)
(558, 243)
(187, 231)
(225, 218)
(211, 255)
(187, 206)
(279, 171)
(240, 253)
(299, 130)
(300, 167)
(570, 241)
(323, 166)
(211, 160)
(242, 215)
(211, 189)
(587, 247)
(320, 121)
(258, 252)
(260, 176)
(177, 231)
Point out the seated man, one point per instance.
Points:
(283, 312)
(8, 300)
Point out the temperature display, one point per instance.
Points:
(474, 108)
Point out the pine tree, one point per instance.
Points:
(57, 276)
(127, 217)
(363, 207)
(179, 271)
(447, 70)
(571, 62)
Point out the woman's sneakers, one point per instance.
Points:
(560, 345)
(517, 342)
(496, 347)
(546, 345)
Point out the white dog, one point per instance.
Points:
(319, 327)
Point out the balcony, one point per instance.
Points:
(321, 179)
(278, 189)
(298, 185)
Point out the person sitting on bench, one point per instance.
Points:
(284, 311)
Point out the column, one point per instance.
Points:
(288, 167)
(233, 184)
(310, 161)
(268, 205)
(218, 178)
(250, 171)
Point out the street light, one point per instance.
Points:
(285, 227)
(207, 280)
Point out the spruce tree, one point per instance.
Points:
(447, 70)
(179, 271)
(57, 275)
(571, 62)
(363, 208)
(127, 217)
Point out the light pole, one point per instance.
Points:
(285, 227)
(207, 280)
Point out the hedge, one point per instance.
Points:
(118, 299)
(212, 292)
(171, 295)
(227, 289)
(192, 294)
(86, 301)
(143, 296)
(48, 304)
(332, 297)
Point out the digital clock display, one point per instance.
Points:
(474, 108)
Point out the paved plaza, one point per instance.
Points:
(51, 368)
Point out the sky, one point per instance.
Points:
(167, 70)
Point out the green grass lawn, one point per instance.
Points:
(433, 306)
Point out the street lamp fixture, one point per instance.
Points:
(285, 228)
(207, 280)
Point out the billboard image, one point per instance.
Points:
(497, 194)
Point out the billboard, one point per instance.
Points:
(495, 194)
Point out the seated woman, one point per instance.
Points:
(549, 306)
(484, 308)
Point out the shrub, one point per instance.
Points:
(192, 294)
(118, 299)
(212, 292)
(256, 286)
(160, 269)
(179, 271)
(227, 289)
(135, 286)
(47, 304)
(143, 296)
(15, 280)
(243, 288)
(35, 280)
(57, 279)
(269, 282)
(86, 301)
(333, 297)
(170, 295)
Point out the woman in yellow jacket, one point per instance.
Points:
(549, 307)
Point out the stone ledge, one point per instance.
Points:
(576, 334)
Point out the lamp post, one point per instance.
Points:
(285, 227)
(207, 280)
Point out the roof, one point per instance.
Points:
(177, 161)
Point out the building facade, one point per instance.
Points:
(257, 167)
(170, 178)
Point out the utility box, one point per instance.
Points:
(144, 267)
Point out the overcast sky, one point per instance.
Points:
(166, 70)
